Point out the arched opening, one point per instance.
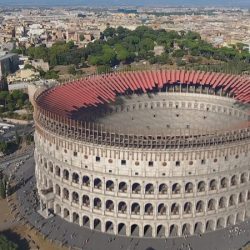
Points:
(110, 206)
(65, 194)
(149, 189)
(211, 205)
(135, 230)
(123, 187)
(243, 178)
(209, 226)
(66, 174)
(201, 186)
(58, 209)
(224, 182)
(149, 209)
(198, 228)
(173, 230)
(76, 218)
(109, 227)
(85, 200)
(148, 231)
(75, 197)
(160, 232)
(50, 167)
(85, 181)
(230, 220)
(58, 190)
(213, 185)
(222, 202)
(135, 208)
(97, 183)
(176, 188)
(97, 224)
(186, 229)
(58, 171)
(187, 208)
(97, 203)
(110, 185)
(233, 180)
(75, 178)
(241, 198)
(162, 209)
(136, 188)
(163, 188)
(66, 213)
(232, 200)
(175, 209)
(239, 217)
(200, 207)
(189, 188)
(220, 223)
(121, 229)
(122, 207)
(86, 221)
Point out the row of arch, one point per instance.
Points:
(150, 188)
(149, 208)
(150, 230)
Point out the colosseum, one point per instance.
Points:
(154, 153)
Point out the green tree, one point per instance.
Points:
(5, 244)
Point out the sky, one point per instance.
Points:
(236, 3)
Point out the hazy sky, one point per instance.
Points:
(128, 2)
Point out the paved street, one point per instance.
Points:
(81, 238)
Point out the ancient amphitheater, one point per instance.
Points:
(146, 153)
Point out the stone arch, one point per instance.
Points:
(176, 188)
(122, 207)
(224, 182)
(110, 185)
(97, 203)
(201, 187)
(200, 207)
(85, 200)
(51, 168)
(109, 227)
(135, 208)
(175, 209)
(232, 200)
(76, 218)
(58, 171)
(187, 209)
(233, 180)
(58, 190)
(75, 178)
(173, 230)
(220, 223)
(85, 181)
(65, 193)
(135, 230)
(136, 188)
(121, 229)
(222, 202)
(149, 188)
(66, 213)
(230, 220)
(160, 231)
(50, 186)
(149, 209)
(97, 183)
(198, 227)
(210, 225)
(211, 205)
(243, 178)
(148, 231)
(66, 174)
(240, 217)
(75, 197)
(186, 229)
(123, 187)
(163, 188)
(97, 224)
(241, 198)
(162, 209)
(213, 185)
(189, 187)
(110, 205)
(86, 221)
(58, 209)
